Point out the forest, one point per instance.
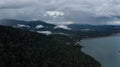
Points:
(22, 48)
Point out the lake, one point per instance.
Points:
(106, 50)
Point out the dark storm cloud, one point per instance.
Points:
(62, 11)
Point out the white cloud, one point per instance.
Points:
(54, 13)
(62, 26)
(45, 32)
(22, 25)
(39, 26)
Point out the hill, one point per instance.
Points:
(22, 48)
(77, 30)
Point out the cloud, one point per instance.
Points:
(62, 26)
(16, 4)
(39, 26)
(45, 32)
(77, 11)
(113, 23)
(54, 13)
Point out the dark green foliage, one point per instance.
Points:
(20, 48)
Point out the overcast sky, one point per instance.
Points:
(62, 11)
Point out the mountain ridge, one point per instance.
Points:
(72, 29)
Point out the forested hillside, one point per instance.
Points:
(21, 48)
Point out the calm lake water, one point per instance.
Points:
(106, 50)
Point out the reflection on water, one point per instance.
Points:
(105, 50)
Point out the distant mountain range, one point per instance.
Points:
(47, 28)
(38, 26)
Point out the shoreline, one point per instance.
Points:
(115, 34)
(89, 44)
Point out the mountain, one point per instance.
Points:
(22, 43)
(22, 48)
(77, 30)
(81, 26)
(38, 26)
(95, 28)
(26, 24)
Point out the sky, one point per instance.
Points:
(62, 11)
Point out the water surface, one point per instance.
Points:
(106, 50)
